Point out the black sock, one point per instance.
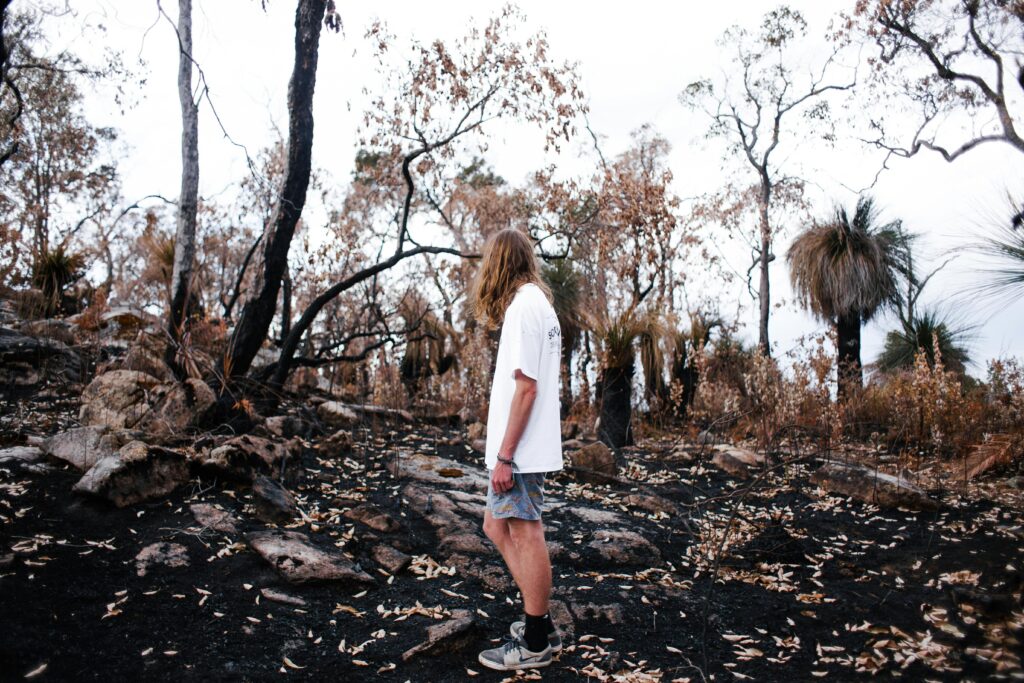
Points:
(536, 632)
(550, 624)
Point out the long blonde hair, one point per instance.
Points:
(508, 263)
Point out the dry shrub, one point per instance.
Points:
(386, 382)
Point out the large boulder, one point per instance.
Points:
(83, 447)
(136, 472)
(298, 560)
(178, 406)
(872, 486)
(145, 354)
(118, 399)
(596, 457)
(437, 471)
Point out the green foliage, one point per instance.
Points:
(927, 333)
(54, 271)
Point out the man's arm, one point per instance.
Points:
(519, 416)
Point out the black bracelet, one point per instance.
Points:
(508, 461)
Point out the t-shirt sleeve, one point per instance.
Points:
(527, 337)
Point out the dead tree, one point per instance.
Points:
(185, 234)
(258, 311)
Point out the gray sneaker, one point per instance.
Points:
(513, 655)
(518, 630)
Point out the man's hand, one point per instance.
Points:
(501, 477)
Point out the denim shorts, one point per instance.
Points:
(525, 500)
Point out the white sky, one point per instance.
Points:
(634, 59)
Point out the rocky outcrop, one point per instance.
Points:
(440, 472)
(625, 548)
(298, 560)
(118, 399)
(391, 559)
(872, 486)
(136, 472)
(337, 415)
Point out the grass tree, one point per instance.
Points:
(566, 288)
(845, 270)
(619, 336)
(930, 333)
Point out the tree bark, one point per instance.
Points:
(258, 312)
(617, 406)
(850, 374)
(764, 289)
(185, 234)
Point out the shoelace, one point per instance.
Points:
(513, 643)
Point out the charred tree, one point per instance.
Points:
(258, 311)
(185, 234)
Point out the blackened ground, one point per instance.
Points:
(812, 587)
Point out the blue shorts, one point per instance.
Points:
(525, 500)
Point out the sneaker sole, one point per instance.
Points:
(501, 667)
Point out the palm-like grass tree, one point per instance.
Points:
(564, 282)
(845, 270)
(1005, 246)
(53, 272)
(924, 333)
(619, 336)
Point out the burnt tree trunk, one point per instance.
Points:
(185, 234)
(258, 312)
(616, 420)
(848, 339)
(764, 289)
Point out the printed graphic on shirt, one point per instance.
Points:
(554, 338)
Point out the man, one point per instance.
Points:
(523, 436)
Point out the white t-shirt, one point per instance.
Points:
(531, 341)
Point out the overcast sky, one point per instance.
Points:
(634, 59)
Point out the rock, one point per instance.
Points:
(595, 516)
(240, 458)
(283, 598)
(298, 560)
(117, 399)
(427, 469)
(492, 576)
(136, 472)
(145, 354)
(562, 618)
(479, 445)
(653, 504)
(373, 517)
(274, 503)
(382, 412)
(626, 548)
(161, 554)
(179, 406)
(20, 454)
(706, 438)
(738, 462)
(612, 614)
(337, 414)
(214, 518)
(286, 426)
(597, 457)
(572, 444)
(475, 431)
(389, 558)
(449, 636)
(338, 443)
(82, 447)
(467, 543)
(28, 361)
(872, 487)
(57, 330)
(124, 322)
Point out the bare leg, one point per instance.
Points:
(498, 531)
(533, 566)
